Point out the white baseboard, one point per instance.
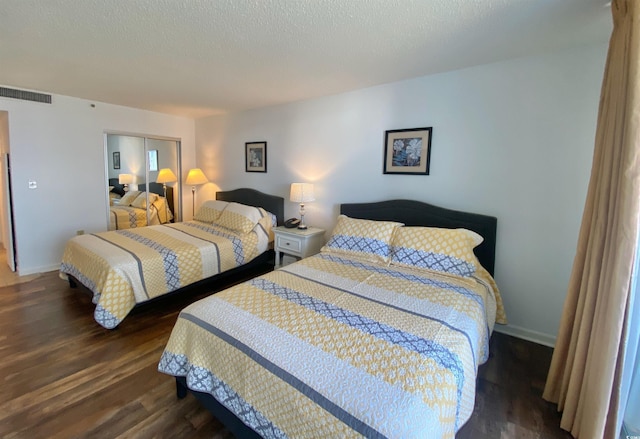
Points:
(527, 334)
(38, 270)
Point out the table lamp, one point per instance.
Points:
(301, 193)
(125, 180)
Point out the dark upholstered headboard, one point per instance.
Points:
(252, 197)
(417, 213)
(117, 187)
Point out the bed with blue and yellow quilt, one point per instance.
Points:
(131, 216)
(379, 335)
(124, 268)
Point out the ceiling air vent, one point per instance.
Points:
(24, 95)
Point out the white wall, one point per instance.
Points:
(512, 139)
(61, 147)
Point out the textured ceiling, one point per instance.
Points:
(201, 57)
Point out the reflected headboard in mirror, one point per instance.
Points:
(117, 187)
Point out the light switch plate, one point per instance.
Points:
(33, 184)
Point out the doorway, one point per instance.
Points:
(6, 206)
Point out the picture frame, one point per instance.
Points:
(407, 151)
(116, 160)
(255, 155)
(153, 160)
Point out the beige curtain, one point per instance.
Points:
(586, 364)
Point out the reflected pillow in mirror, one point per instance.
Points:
(129, 198)
(141, 200)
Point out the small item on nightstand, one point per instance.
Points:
(291, 223)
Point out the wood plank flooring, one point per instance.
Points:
(8, 277)
(65, 376)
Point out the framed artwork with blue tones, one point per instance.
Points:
(407, 151)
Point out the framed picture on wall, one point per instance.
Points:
(407, 151)
(116, 160)
(153, 160)
(255, 156)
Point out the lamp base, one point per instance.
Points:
(193, 201)
(302, 225)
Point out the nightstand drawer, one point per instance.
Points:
(298, 243)
(289, 244)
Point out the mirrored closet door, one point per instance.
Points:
(143, 183)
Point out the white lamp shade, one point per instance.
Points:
(302, 192)
(196, 177)
(166, 175)
(125, 178)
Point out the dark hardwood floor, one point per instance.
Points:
(509, 400)
(65, 376)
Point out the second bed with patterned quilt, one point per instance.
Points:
(123, 268)
(379, 335)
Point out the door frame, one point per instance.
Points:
(6, 209)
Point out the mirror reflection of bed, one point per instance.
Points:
(128, 208)
(138, 160)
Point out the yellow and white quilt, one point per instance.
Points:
(338, 346)
(126, 267)
(130, 217)
(126, 217)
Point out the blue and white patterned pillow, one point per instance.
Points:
(446, 250)
(366, 239)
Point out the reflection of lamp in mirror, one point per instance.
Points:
(195, 177)
(165, 176)
(301, 193)
(125, 180)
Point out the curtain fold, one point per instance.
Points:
(630, 389)
(586, 364)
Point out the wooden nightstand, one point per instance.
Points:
(296, 242)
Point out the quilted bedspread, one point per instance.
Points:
(333, 346)
(126, 267)
(127, 217)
